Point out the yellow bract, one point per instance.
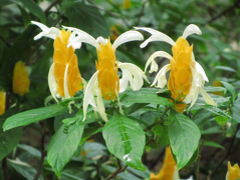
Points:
(127, 4)
(21, 80)
(180, 78)
(108, 79)
(2, 102)
(169, 168)
(64, 56)
(233, 172)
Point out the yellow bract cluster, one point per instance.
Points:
(180, 78)
(2, 102)
(233, 172)
(108, 72)
(127, 4)
(21, 80)
(64, 57)
(168, 170)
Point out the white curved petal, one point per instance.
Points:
(126, 37)
(46, 31)
(81, 36)
(160, 78)
(155, 36)
(52, 83)
(132, 75)
(89, 94)
(102, 40)
(74, 41)
(197, 83)
(43, 27)
(100, 106)
(207, 98)
(151, 60)
(191, 29)
(200, 70)
(65, 83)
(124, 81)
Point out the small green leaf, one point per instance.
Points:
(221, 120)
(230, 88)
(8, 141)
(32, 116)
(236, 110)
(125, 139)
(184, 136)
(26, 170)
(144, 95)
(213, 144)
(63, 145)
(33, 8)
(217, 111)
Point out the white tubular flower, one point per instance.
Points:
(64, 78)
(187, 77)
(105, 83)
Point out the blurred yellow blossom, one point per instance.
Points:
(169, 168)
(21, 80)
(233, 172)
(2, 102)
(127, 4)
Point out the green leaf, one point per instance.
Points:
(144, 95)
(32, 116)
(221, 120)
(24, 169)
(63, 145)
(125, 139)
(213, 144)
(8, 141)
(33, 8)
(230, 88)
(85, 17)
(225, 68)
(216, 111)
(184, 136)
(236, 110)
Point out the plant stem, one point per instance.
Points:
(5, 169)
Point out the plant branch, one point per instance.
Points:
(5, 169)
(119, 170)
(225, 11)
(42, 153)
(54, 3)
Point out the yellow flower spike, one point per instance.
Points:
(2, 102)
(105, 82)
(66, 72)
(64, 78)
(21, 80)
(108, 79)
(169, 168)
(187, 77)
(180, 79)
(127, 4)
(233, 172)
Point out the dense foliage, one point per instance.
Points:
(44, 139)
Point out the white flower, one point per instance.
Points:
(105, 83)
(187, 77)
